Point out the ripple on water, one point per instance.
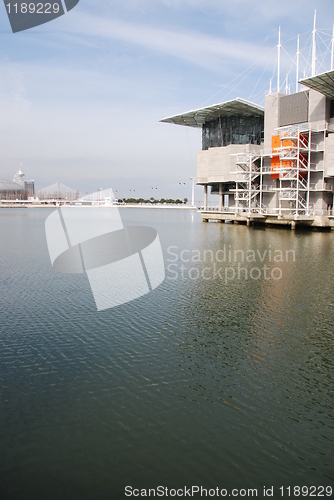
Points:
(200, 381)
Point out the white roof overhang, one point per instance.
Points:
(197, 117)
(323, 83)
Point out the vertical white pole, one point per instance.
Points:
(278, 59)
(205, 197)
(314, 56)
(261, 183)
(286, 84)
(298, 170)
(270, 87)
(297, 69)
(332, 60)
(220, 197)
(193, 192)
(308, 172)
(250, 186)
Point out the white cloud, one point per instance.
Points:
(253, 14)
(194, 47)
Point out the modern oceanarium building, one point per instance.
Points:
(271, 164)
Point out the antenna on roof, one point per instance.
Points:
(297, 68)
(278, 58)
(314, 56)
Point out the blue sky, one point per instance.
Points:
(81, 97)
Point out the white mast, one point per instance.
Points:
(278, 59)
(270, 91)
(297, 69)
(314, 57)
(286, 84)
(332, 60)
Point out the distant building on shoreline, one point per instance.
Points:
(29, 186)
(11, 191)
(59, 192)
(18, 189)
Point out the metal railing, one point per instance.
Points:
(306, 127)
(321, 186)
(262, 209)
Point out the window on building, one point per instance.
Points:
(227, 130)
(332, 109)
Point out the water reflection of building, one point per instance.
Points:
(272, 164)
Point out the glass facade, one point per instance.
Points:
(29, 187)
(226, 130)
(11, 194)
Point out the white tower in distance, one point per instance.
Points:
(18, 177)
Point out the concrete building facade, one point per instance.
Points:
(273, 164)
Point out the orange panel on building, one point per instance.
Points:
(287, 143)
(275, 160)
(275, 164)
(275, 142)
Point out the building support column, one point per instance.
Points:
(220, 197)
(250, 187)
(205, 197)
(236, 199)
(261, 184)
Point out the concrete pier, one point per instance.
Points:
(316, 222)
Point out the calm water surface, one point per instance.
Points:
(201, 382)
